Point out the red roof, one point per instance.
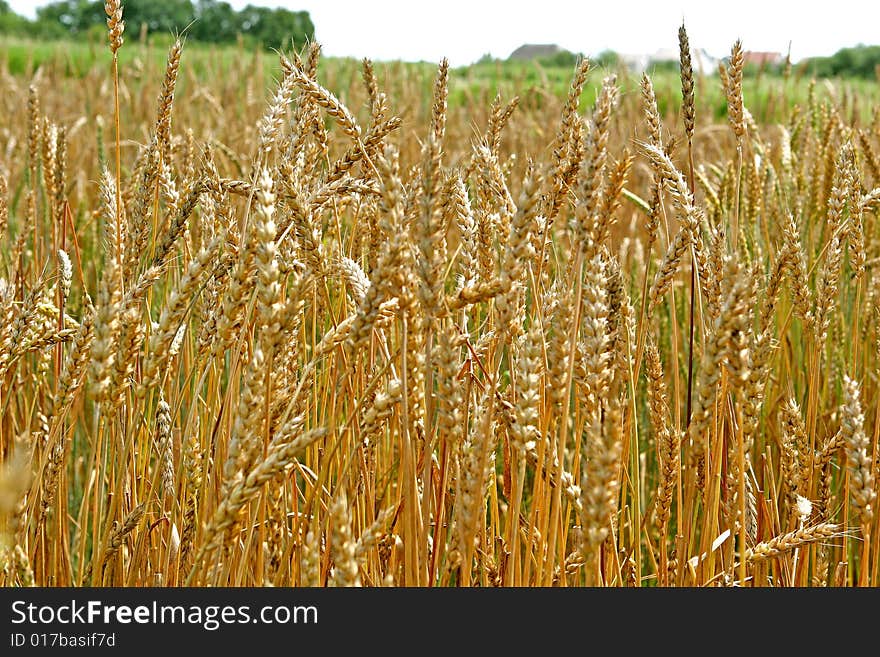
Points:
(755, 57)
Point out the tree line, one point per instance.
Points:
(213, 21)
(861, 61)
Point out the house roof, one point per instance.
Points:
(758, 57)
(535, 50)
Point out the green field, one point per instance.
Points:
(765, 93)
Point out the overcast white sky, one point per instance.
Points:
(463, 30)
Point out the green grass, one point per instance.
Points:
(76, 58)
(762, 91)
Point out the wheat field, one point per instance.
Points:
(304, 330)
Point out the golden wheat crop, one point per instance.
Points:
(371, 338)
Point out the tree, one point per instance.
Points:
(208, 20)
(77, 16)
(607, 59)
(158, 15)
(860, 61)
(70, 16)
(562, 59)
(215, 22)
(10, 22)
(277, 28)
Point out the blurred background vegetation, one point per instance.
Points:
(211, 21)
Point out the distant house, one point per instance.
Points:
(762, 58)
(702, 61)
(529, 51)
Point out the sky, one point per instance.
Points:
(464, 30)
